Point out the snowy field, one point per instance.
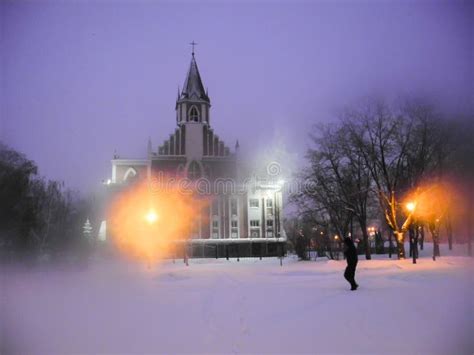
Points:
(251, 306)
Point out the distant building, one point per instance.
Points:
(246, 214)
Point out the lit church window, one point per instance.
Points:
(255, 233)
(270, 228)
(269, 206)
(234, 233)
(215, 228)
(255, 228)
(215, 207)
(233, 207)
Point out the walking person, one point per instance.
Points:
(351, 256)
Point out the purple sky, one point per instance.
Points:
(79, 79)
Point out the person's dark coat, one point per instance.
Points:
(350, 252)
(351, 257)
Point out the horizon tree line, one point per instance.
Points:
(37, 216)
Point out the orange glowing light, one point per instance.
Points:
(151, 217)
(445, 202)
(411, 206)
(434, 200)
(151, 234)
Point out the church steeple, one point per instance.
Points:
(193, 89)
(193, 103)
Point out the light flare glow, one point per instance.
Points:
(432, 201)
(151, 217)
(411, 206)
(148, 223)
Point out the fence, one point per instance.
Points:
(234, 249)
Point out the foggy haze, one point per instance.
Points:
(82, 79)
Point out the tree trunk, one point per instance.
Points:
(390, 244)
(435, 236)
(417, 238)
(329, 249)
(365, 235)
(400, 245)
(422, 240)
(449, 231)
(411, 234)
(435, 247)
(415, 243)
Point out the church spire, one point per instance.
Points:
(193, 89)
(193, 103)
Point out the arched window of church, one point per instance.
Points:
(194, 171)
(129, 174)
(193, 114)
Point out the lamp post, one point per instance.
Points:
(371, 231)
(434, 228)
(411, 208)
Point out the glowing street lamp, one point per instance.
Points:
(371, 231)
(151, 217)
(411, 206)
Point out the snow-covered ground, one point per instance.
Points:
(251, 306)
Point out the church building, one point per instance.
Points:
(245, 215)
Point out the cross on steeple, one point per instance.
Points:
(193, 44)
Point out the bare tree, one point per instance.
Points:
(328, 193)
(425, 161)
(383, 136)
(348, 172)
(320, 202)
